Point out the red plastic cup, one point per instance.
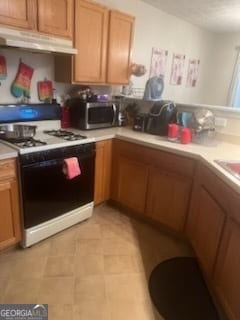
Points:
(172, 131)
(186, 135)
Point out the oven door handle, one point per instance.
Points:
(114, 114)
(58, 162)
(44, 164)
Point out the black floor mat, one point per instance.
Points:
(178, 291)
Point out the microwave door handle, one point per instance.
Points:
(115, 114)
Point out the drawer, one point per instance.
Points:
(173, 163)
(131, 150)
(7, 169)
(162, 159)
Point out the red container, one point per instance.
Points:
(172, 132)
(186, 135)
(65, 118)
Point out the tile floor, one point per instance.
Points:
(96, 270)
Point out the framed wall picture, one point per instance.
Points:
(177, 69)
(192, 75)
(158, 62)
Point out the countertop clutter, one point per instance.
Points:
(207, 154)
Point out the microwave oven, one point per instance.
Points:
(93, 115)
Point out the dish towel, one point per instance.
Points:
(71, 168)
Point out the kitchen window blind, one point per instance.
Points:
(234, 93)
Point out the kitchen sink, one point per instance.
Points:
(232, 166)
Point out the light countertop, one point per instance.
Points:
(207, 154)
(7, 152)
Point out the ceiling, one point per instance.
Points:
(214, 15)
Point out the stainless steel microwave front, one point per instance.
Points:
(94, 115)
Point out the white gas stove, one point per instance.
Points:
(50, 200)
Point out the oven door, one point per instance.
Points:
(47, 193)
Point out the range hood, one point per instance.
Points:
(35, 42)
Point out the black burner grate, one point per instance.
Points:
(67, 135)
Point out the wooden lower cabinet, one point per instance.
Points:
(129, 176)
(9, 205)
(130, 187)
(102, 171)
(155, 191)
(213, 228)
(209, 207)
(168, 197)
(226, 275)
(204, 227)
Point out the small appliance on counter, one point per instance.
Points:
(161, 114)
(93, 115)
(154, 89)
(140, 122)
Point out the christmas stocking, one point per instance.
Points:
(21, 84)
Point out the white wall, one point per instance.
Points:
(43, 68)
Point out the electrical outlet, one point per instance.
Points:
(220, 122)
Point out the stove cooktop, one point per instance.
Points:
(47, 140)
(27, 143)
(66, 135)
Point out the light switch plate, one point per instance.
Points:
(220, 122)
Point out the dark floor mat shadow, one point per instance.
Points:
(179, 292)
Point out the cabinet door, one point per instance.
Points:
(226, 276)
(119, 47)
(55, 17)
(102, 171)
(168, 197)
(9, 214)
(129, 183)
(91, 25)
(18, 13)
(204, 226)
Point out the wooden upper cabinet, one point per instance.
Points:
(55, 17)
(103, 38)
(121, 28)
(91, 25)
(18, 14)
